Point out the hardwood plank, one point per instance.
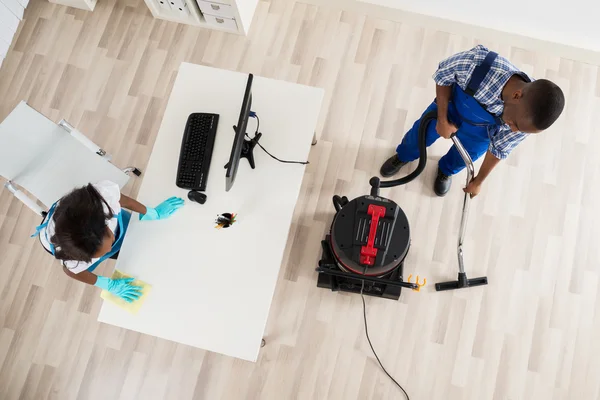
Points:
(530, 334)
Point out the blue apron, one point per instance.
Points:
(123, 219)
(471, 118)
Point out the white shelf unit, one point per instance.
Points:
(225, 15)
(11, 13)
(87, 5)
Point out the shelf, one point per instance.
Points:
(170, 12)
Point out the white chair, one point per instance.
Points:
(49, 160)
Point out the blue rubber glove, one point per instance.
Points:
(120, 287)
(163, 210)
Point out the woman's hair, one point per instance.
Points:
(80, 224)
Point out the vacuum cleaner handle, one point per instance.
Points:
(465, 156)
(462, 282)
(465, 211)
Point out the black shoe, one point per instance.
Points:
(391, 166)
(442, 184)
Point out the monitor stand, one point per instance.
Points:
(248, 149)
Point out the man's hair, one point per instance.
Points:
(80, 224)
(545, 101)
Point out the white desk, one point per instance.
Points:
(213, 288)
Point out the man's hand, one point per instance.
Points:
(445, 128)
(489, 163)
(473, 188)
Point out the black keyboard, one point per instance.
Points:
(196, 151)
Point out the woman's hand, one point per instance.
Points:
(120, 287)
(163, 210)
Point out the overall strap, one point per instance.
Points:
(47, 217)
(43, 226)
(480, 72)
(121, 228)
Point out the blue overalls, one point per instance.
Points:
(123, 219)
(471, 118)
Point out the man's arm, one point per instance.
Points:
(444, 127)
(489, 163)
(454, 70)
(133, 205)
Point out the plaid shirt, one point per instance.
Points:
(459, 68)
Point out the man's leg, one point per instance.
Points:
(408, 150)
(476, 142)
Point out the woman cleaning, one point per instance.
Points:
(87, 226)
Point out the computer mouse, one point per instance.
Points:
(197, 197)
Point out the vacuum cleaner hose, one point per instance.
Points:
(376, 183)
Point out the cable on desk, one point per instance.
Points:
(254, 115)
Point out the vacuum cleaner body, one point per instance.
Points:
(368, 241)
(370, 237)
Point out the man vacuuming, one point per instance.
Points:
(490, 105)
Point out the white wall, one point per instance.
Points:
(569, 22)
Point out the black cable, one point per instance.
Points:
(265, 150)
(282, 161)
(369, 339)
(425, 121)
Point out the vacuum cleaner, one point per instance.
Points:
(369, 238)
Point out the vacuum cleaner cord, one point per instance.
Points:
(371, 344)
(376, 184)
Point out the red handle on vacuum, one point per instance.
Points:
(368, 253)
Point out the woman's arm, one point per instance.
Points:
(83, 276)
(119, 287)
(133, 205)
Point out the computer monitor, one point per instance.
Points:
(241, 148)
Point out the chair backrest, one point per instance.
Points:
(44, 159)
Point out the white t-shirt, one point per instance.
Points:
(111, 192)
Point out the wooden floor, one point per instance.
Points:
(535, 230)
